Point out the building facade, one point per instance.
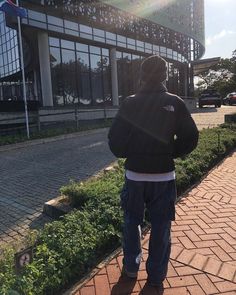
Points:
(89, 52)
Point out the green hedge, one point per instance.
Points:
(69, 248)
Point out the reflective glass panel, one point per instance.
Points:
(82, 47)
(67, 44)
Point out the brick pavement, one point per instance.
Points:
(34, 174)
(203, 256)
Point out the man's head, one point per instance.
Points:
(153, 69)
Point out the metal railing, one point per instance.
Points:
(48, 118)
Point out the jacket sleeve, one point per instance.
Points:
(119, 133)
(186, 133)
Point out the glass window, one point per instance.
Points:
(82, 47)
(110, 36)
(155, 48)
(112, 42)
(99, 39)
(55, 56)
(99, 33)
(95, 63)
(67, 44)
(83, 61)
(107, 81)
(169, 52)
(37, 24)
(54, 42)
(56, 28)
(118, 54)
(85, 29)
(57, 76)
(68, 56)
(84, 89)
(9, 56)
(140, 43)
(105, 51)
(130, 41)
(72, 32)
(94, 49)
(55, 21)
(127, 56)
(36, 15)
(71, 25)
(121, 39)
(148, 45)
(163, 49)
(69, 76)
(86, 36)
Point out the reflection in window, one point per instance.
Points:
(95, 49)
(71, 25)
(81, 75)
(81, 47)
(83, 59)
(55, 21)
(56, 73)
(83, 78)
(67, 44)
(69, 76)
(85, 29)
(128, 67)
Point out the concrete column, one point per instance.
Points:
(45, 71)
(114, 77)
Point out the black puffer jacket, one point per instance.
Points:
(151, 129)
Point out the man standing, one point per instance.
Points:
(151, 128)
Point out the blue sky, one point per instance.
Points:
(220, 28)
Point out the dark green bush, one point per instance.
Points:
(68, 248)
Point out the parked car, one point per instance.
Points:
(209, 97)
(230, 98)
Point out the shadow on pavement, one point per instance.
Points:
(148, 290)
(123, 286)
(40, 221)
(127, 286)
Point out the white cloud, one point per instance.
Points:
(218, 36)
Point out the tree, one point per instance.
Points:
(221, 76)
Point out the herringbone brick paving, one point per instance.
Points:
(203, 256)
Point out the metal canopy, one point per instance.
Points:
(203, 65)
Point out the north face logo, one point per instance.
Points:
(169, 108)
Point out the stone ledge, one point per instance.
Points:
(57, 207)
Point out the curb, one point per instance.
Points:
(33, 142)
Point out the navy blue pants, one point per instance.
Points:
(159, 200)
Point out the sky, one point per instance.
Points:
(220, 28)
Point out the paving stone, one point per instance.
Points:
(37, 172)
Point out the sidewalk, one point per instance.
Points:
(203, 257)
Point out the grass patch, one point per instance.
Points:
(68, 248)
